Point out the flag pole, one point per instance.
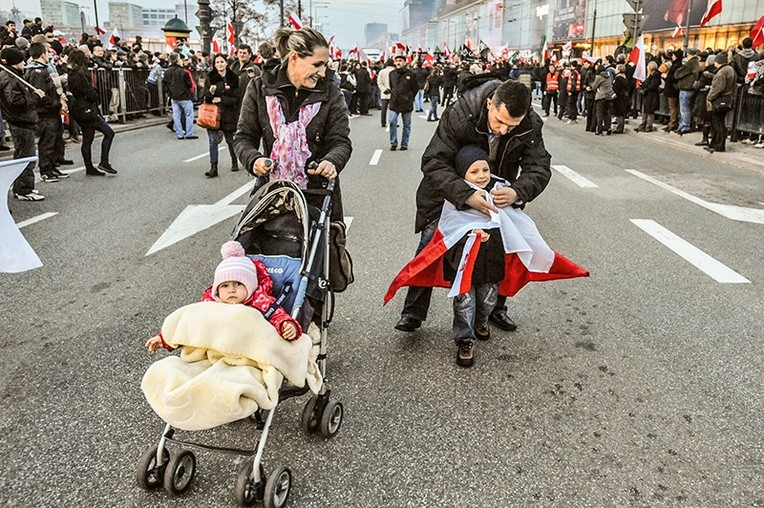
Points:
(687, 27)
(594, 26)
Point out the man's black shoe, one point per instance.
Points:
(65, 162)
(407, 324)
(503, 321)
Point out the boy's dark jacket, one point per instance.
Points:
(466, 123)
(18, 104)
(37, 74)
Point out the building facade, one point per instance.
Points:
(125, 15)
(60, 13)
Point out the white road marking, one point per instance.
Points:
(575, 177)
(702, 261)
(423, 117)
(34, 220)
(192, 159)
(733, 212)
(375, 158)
(348, 222)
(236, 194)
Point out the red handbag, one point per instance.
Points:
(209, 116)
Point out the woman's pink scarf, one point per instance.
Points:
(290, 149)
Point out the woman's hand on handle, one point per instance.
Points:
(325, 169)
(262, 166)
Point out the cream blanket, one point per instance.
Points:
(232, 362)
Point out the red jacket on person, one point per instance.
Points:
(552, 81)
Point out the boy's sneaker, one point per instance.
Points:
(106, 168)
(59, 174)
(465, 355)
(49, 177)
(32, 196)
(482, 332)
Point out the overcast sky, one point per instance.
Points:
(345, 18)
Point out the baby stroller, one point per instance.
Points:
(291, 238)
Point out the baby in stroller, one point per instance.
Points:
(239, 279)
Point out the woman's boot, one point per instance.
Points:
(234, 165)
(213, 172)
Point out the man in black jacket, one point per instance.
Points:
(19, 106)
(181, 87)
(403, 88)
(498, 118)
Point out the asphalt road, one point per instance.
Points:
(639, 386)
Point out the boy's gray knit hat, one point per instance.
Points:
(467, 156)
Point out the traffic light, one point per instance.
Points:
(634, 21)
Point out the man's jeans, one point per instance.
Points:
(23, 144)
(472, 309)
(419, 100)
(183, 108)
(685, 109)
(392, 120)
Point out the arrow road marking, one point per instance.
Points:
(575, 177)
(192, 159)
(196, 218)
(348, 222)
(710, 266)
(739, 213)
(375, 158)
(34, 220)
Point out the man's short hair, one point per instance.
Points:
(10, 22)
(174, 58)
(399, 57)
(515, 96)
(747, 43)
(244, 46)
(36, 50)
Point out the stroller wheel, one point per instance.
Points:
(248, 491)
(309, 416)
(277, 488)
(331, 418)
(180, 472)
(149, 475)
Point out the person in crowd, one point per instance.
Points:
(742, 58)
(268, 56)
(603, 97)
(562, 97)
(622, 102)
(49, 125)
(686, 75)
(244, 67)
(719, 101)
(52, 40)
(574, 88)
(383, 83)
(9, 35)
(450, 75)
(539, 71)
(19, 107)
(497, 117)
(222, 88)
(362, 88)
(403, 88)
(181, 87)
(588, 75)
(347, 85)
(550, 86)
(699, 110)
(671, 91)
(293, 105)
(650, 97)
(432, 89)
(241, 280)
(421, 77)
(84, 109)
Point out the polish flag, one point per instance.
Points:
(230, 37)
(428, 60)
(353, 50)
(446, 51)
(527, 256)
(757, 34)
(637, 56)
(678, 32)
(100, 31)
(567, 47)
(295, 21)
(113, 37)
(586, 57)
(545, 52)
(401, 46)
(215, 47)
(468, 44)
(714, 8)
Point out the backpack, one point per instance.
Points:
(340, 262)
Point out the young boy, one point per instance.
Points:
(472, 309)
(241, 280)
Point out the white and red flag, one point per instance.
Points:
(446, 51)
(714, 9)
(567, 48)
(637, 56)
(114, 37)
(100, 31)
(678, 32)
(527, 256)
(230, 37)
(353, 51)
(295, 21)
(402, 47)
(544, 52)
(428, 60)
(588, 58)
(757, 34)
(215, 46)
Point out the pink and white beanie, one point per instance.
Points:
(236, 266)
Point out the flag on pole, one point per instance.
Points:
(567, 47)
(545, 51)
(100, 31)
(114, 37)
(588, 58)
(353, 50)
(295, 21)
(230, 37)
(678, 32)
(637, 56)
(757, 34)
(216, 46)
(528, 258)
(446, 51)
(714, 8)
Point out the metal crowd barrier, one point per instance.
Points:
(748, 115)
(126, 92)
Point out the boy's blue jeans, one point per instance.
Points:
(473, 308)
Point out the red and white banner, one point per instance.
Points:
(215, 46)
(757, 34)
(714, 9)
(295, 21)
(230, 37)
(678, 32)
(527, 256)
(567, 47)
(544, 52)
(114, 37)
(637, 56)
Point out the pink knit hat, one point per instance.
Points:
(235, 266)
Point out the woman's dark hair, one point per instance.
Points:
(600, 68)
(515, 96)
(221, 55)
(266, 50)
(303, 41)
(78, 60)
